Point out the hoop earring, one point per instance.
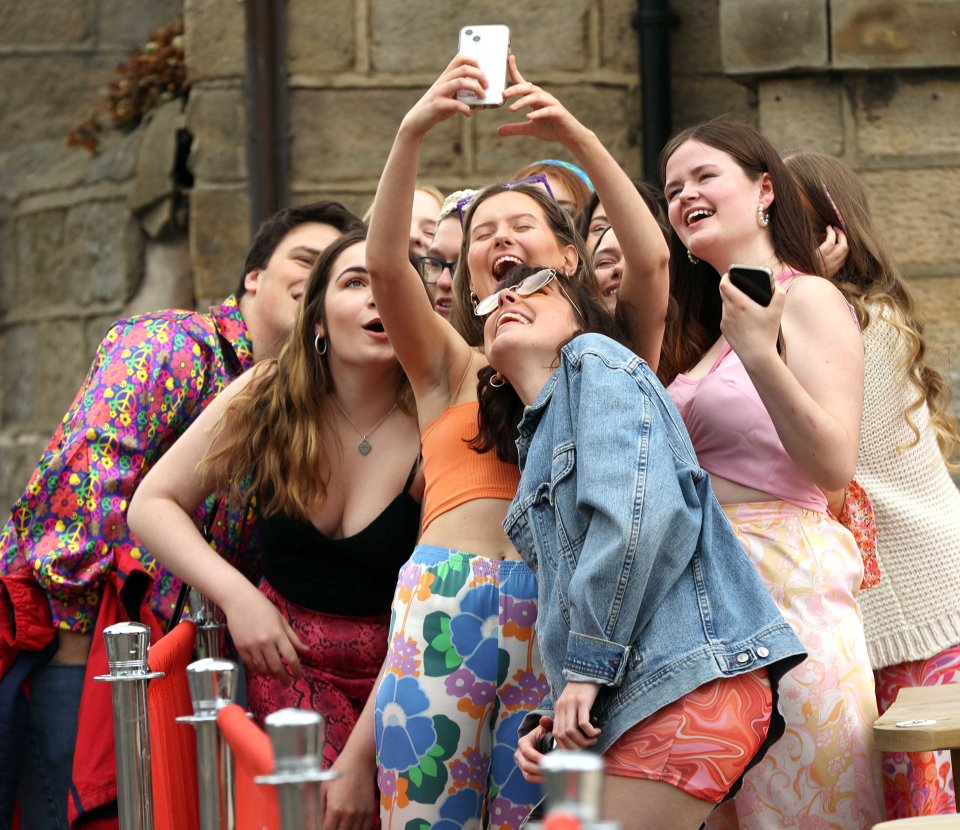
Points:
(763, 218)
(316, 345)
(474, 299)
(691, 257)
(497, 380)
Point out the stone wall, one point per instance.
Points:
(73, 257)
(874, 81)
(356, 68)
(877, 84)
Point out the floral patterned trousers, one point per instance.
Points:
(462, 671)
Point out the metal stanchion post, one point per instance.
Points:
(213, 684)
(126, 644)
(573, 784)
(298, 737)
(211, 625)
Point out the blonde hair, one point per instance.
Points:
(426, 188)
(273, 440)
(870, 276)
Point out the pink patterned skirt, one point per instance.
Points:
(824, 772)
(338, 673)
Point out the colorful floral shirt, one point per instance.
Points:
(152, 375)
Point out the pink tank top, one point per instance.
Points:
(733, 435)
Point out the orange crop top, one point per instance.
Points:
(454, 474)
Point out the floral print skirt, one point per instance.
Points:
(823, 772)
(462, 671)
(917, 783)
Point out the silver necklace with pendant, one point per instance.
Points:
(364, 446)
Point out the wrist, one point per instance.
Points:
(410, 133)
(582, 143)
(359, 753)
(234, 594)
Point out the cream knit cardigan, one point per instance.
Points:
(914, 612)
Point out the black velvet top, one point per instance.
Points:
(354, 576)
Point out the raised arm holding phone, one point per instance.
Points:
(465, 574)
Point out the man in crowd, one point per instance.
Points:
(67, 545)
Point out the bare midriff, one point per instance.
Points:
(729, 492)
(474, 527)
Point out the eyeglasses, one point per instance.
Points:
(525, 288)
(833, 204)
(431, 268)
(539, 179)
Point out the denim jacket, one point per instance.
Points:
(643, 586)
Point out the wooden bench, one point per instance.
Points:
(921, 823)
(922, 719)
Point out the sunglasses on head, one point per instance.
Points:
(538, 180)
(525, 288)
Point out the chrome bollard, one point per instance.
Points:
(126, 644)
(211, 625)
(298, 737)
(573, 783)
(213, 685)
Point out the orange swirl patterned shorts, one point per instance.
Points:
(701, 743)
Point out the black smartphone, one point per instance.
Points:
(756, 281)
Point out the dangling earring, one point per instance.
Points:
(691, 257)
(316, 345)
(474, 299)
(763, 218)
(497, 380)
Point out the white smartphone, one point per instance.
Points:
(490, 46)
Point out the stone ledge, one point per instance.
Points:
(888, 34)
(421, 81)
(764, 36)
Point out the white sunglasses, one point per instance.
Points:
(527, 286)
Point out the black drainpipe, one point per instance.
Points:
(653, 21)
(268, 152)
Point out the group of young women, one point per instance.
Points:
(501, 523)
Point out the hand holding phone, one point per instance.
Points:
(756, 281)
(489, 46)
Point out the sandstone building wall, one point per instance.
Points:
(874, 81)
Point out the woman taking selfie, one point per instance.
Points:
(462, 670)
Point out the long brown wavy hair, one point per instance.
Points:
(500, 407)
(870, 276)
(274, 439)
(462, 317)
(695, 287)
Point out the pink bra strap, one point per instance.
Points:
(723, 353)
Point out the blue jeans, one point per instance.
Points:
(51, 736)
